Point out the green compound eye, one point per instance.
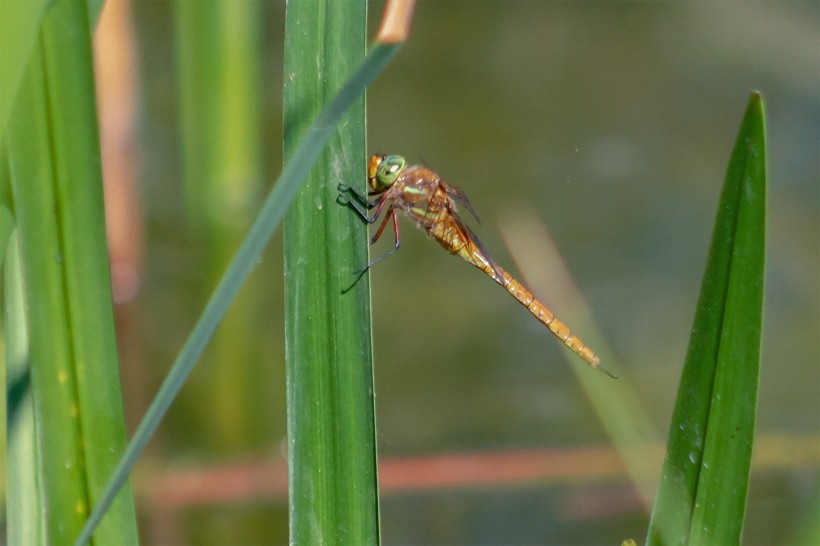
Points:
(389, 170)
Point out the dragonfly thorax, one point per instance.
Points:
(384, 170)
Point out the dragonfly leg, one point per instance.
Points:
(361, 198)
(359, 208)
(358, 204)
(391, 215)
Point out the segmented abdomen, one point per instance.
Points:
(544, 316)
(456, 242)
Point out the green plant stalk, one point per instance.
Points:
(702, 497)
(248, 255)
(58, 206)
(333, 489)
(218, 53)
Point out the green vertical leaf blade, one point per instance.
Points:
(703, 491)
(331, 427)
(720, 505)
(52, 367)
(58, 205)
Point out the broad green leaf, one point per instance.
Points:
(56, 185)
(331, 428)
(702, 498)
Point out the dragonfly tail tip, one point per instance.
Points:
(605, 371)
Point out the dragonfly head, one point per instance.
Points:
(384, 170)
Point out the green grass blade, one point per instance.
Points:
(720, 505)
(24, 502)
(6, 222)
(218, 51)
(58, 205)
(248, 255)
(703, 490)
(19, 26)
(94, 9)
(85, 269)
(333, 488)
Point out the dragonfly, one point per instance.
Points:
(432, 204)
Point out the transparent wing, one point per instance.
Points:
(477, 249)
(461, 198)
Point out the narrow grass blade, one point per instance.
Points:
(56, 186)
(333, 488)
(248, 255)
(25, 520)
(702, 498)
(6, 217)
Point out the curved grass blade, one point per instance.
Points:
(271, 213)
(702, 498)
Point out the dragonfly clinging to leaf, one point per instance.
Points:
(431, 203)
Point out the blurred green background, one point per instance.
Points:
(608, 123)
